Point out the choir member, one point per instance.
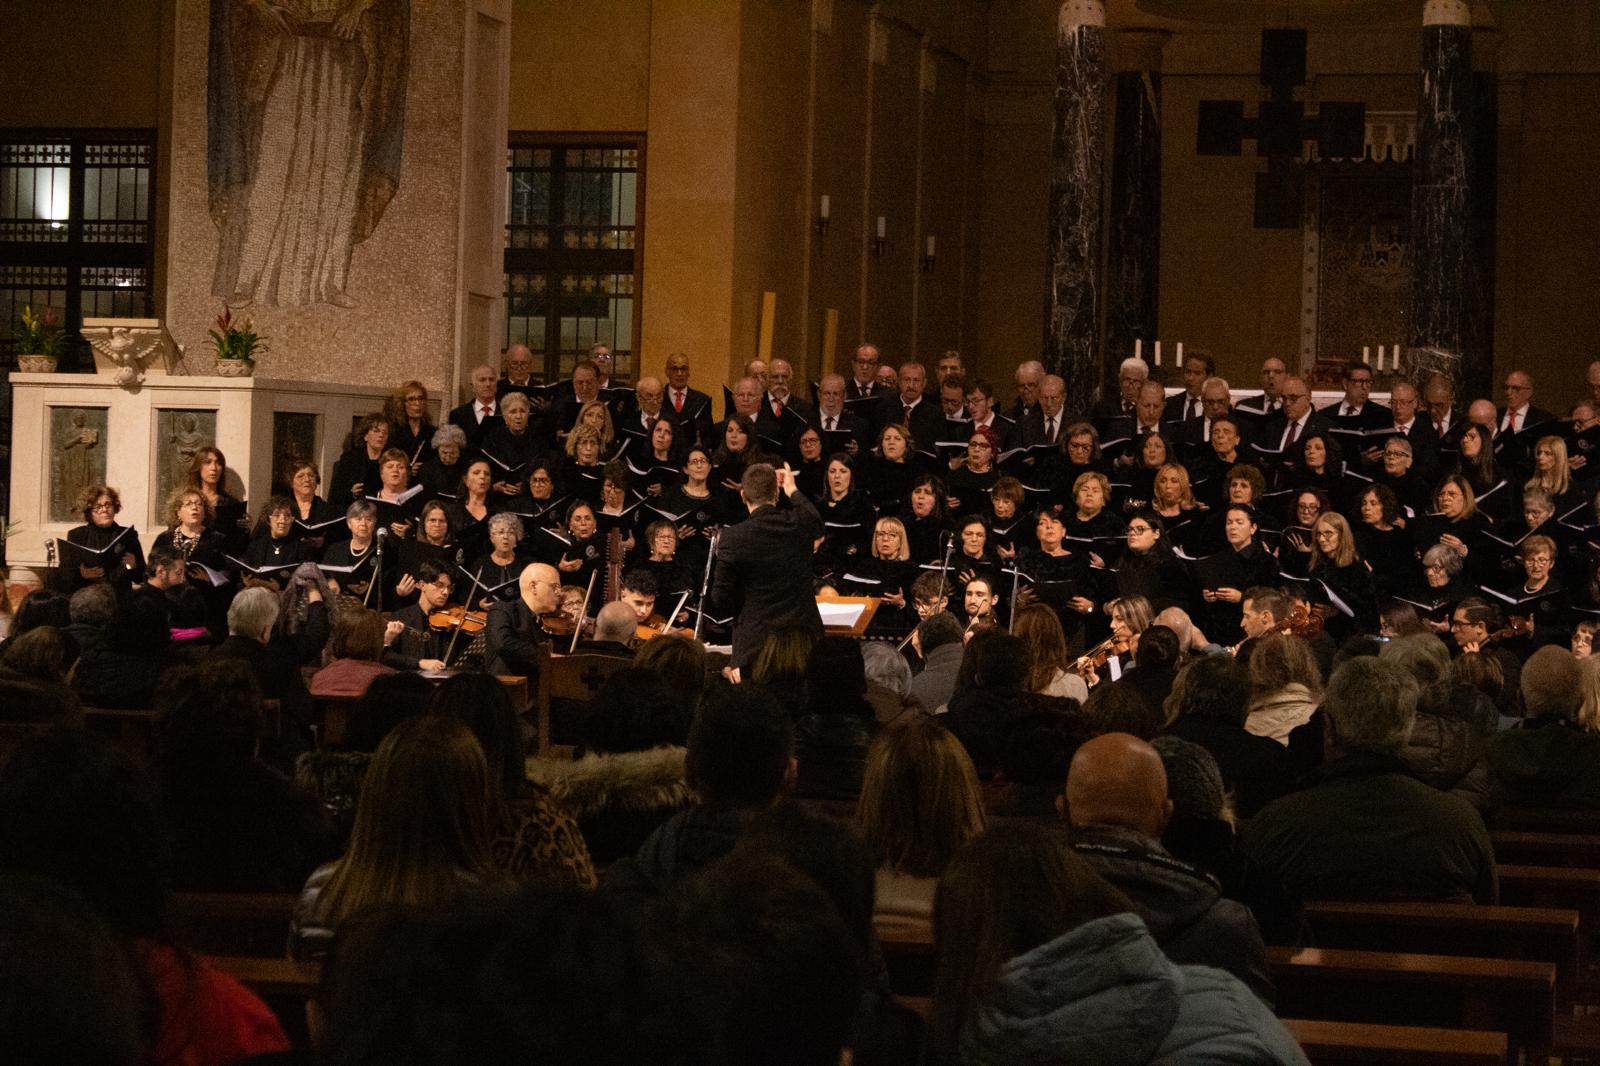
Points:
(496, 572)
(891, 472)
(974, 556)
(356, 473)
(208, 474)
(581, 476)
(1458, 523)
(356, 558)
(971, 481)
(1242, 564)
(100, 505)
(397, 499)
(1091, 524)
(576, 550)
(1384, 541)
(316, 519)
(926, 517)
(1173, 499)
(1344, 575)
(846, 514)
(538, 504)
(276, 549)
(1056, 575)
(409, 427)
(441, 471)
(189, 530)
(470, 510)
(513, 445)
(1149, 569)
(1007, 524)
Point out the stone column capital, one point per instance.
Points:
(1446, 13)
(1075, 13)
(1140, 49)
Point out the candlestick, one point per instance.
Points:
(1366, 354)
(1138, 348)
(1158, 353)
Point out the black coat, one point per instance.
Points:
(695, 416)
(466, 417)
(755, 580)
(513, 640)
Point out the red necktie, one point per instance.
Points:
(906, 417)
(677, 401)
(777, 409)
(483, 411)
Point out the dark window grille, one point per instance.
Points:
(573, 228)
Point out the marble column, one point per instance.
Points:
(1133, 255)
(1441, 197)
(1072, 336)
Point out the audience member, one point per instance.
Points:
(355, 655)
(1549, 760)
(1284, 685)
(1208, 707)
(1454, 722)
(831, 737)
(1367, 829)
(1041, 960)
(888, 680)
(939, 641)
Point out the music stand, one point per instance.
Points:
(869, 605)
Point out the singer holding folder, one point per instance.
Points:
(759, 576)
(101, 547)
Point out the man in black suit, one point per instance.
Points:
(685, 406)
(1048, 422)
(1028, 379)
(518, 376)
(480, 415)
(1357, 410)
(640, 416)
(1297, 419)
(584, 388)
(842, 429)
(912, 408)
(863, 374)
(782, 416)
(514, 634)
(1185, 406)
(1146, 419)
(1216, 401)
(755, 580)
(1259, 409)
(1131, 376)
(1519, 421)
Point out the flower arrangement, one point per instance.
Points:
(238, 342)
(41, 334)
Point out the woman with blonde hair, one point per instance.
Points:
(1552, 472)
(1041, 629)
(919, 805)
(1588, 718)
(1340, 568)
(597, 416)
(189, 529)
(1285, 686)
(421, 836)
(409, 428)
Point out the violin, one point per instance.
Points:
(457, 617)
(1102, 653)
(557, 624)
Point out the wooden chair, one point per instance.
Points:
(1328, 1043)
(251, 925)
(1512, 996)
(569, 677)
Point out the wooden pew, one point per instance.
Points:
(910, 960)
(254, 925)
(1523, 847)
(1535, 933)
(284, 985)
(568, 677)
(1329, 1043)
(1546, 820)
(1512, 996)
(133, 731)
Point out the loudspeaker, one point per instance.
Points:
(1342, 130)
(1221, 128)
(1280, 128)
(1279, 197)
(1283, 57)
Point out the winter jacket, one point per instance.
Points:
(1546, 763)
(1446, 747)
(1273, 714)
(832, 752)
(683, 844)
(1367, 829)
(933, 686)
(1104, 993)
(619, 798)
(1255, 769)
(1182, 905)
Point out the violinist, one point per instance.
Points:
(981, 605)
(419, 646)
(639, 593)
(514, 632)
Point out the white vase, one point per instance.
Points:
(36, 364)
(235, 368)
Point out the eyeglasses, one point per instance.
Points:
(1458, 623)
(536, 480)
(103, 505)
(1296, 395)
(1136, 531)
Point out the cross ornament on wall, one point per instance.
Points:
(1280, 129)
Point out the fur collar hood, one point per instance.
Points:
(626, 781)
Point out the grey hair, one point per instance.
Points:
(1536, 496)
(1373, 705)
(616, 622)
(1445, 556)
(1427, 660)
(449, 434)
(1132, 365)
(505, 520)
(886, 667)
(252, 612)
(515, 399)
(1401, 443)
(361, 509)
(93, 605)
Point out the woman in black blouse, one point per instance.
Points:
(100, 505)
(208, 474)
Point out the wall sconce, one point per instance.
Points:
(927, 256)
(824, 214)
(883, 232)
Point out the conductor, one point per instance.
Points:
(762, 578)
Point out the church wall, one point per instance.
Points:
(99, 59)
(580, 65)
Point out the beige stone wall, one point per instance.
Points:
(403, 278)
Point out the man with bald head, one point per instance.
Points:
(689, 408)
(478, 417)
(514, 633)
(863, 373)
(517, 374)
(1116, 802)
(1259, 409)
(1296, 420)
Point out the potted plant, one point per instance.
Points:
(236, 345)
(39, 343)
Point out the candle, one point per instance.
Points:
(1179, 360)
(827, 208)
(1366, 354)
(1395, 360)
(883, 227)
(930, 246)
(1138, 347)
(1158, 353)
